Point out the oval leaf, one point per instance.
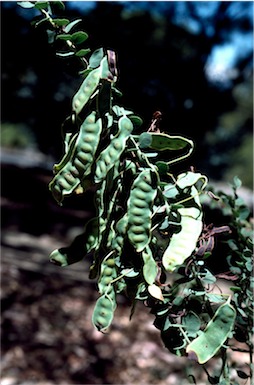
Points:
(155, 291)
(69, 26)
(25, 4)
(79, 37)
(61, 22)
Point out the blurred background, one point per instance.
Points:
(193, 61)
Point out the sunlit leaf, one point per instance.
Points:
(155, 291)
(26, 4)
(72, 24)
(96, 58)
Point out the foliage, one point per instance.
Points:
(148, 239)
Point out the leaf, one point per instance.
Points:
(163, 167)
(69, 26)
(170, 191)
(96, 58)
(64, 36)
(82, 52)
(155, 291)
(79, 37)
(41, 5)
(61, 22)
(208, 278)
(192, 323)
(236, 182)
(25, 4)
(136, 120)
(189, 178)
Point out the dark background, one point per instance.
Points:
(166, 58)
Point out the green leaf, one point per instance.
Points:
(170, 191)
(79, 37)
(96, 58)
(25, 4)
(64, 36)
(192, 323)
(236, 182)
(69, 26)
(136, 120)
(82, 52)
(208, 278)
(162, 167)
(61, 22)
(41, 5)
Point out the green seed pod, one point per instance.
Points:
(140, 210)
(208, 343)
(81, 245)
(69, 151)
(108, 269)
(118, 240)
(103, 313)
(182, 244)
(79, 166)
(162, 142)
(110, 156)
(86, 90)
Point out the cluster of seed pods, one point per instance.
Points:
(131, 199)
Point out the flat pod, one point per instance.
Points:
(208, 343)
(111, 155)
(182, 244)
(162, 142)
(86, 90)
(140, 210)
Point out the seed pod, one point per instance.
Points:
(69, 152)
(140, 202)
(86, 90)
(79, 166)
(108, 270)
(182, 244)
(103, 313)
(118, 240)
(162, 142)
(81, 245)
(110, 156)
(208, 343)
